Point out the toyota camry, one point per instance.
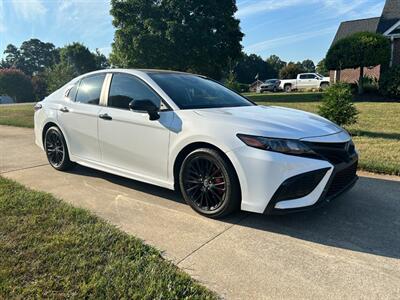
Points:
(187, 132)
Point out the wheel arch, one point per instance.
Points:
(51, 123)
(184, 152)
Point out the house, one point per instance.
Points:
(387, 24)
(255, 85)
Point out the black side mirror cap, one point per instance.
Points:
(146, 106)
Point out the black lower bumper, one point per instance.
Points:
(342, 179)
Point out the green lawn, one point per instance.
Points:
(49, 249)
(18, 115)
(377, 133)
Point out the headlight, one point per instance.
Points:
(286, 146)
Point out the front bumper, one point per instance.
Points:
(262, 173)
(342, 179)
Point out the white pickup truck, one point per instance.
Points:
(305, 81)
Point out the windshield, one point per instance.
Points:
(271, 81)
(192, 92)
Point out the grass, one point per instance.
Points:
(377, 133)
(18, 115)
(49, 249)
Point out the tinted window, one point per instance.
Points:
(72, 92)
(304, 77)
(90, 89)
(125, 88)
(191, 91)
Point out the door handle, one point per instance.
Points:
(64, 109)
(105, 117)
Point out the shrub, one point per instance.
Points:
(389, 84)
(370, 84)
(16, 84)
(337, 105)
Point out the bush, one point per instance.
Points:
(370, 84)
(337, 105)
(389, 84)
(16, 84)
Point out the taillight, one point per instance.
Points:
(37, 106)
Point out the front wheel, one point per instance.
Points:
(209, 184)
(56, 149)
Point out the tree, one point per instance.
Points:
(362, 49)
(101, 60)
(32, 57)
(198, 36)
(291, 71)
(79, 57)
(308, 66)
(39, 84)
(249, 66)
(276, 64)
(322, 69)
(58, 75)
(337, 105)
(16, 84)
(12, 57)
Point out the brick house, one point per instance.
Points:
(387, 24)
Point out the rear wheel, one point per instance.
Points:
(209, 184)
(56, 149)
(324, 86)
(288, 88)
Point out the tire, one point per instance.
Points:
(288, 88)
(57, 150)
(209, 184)
(275, 90)
(324, 86)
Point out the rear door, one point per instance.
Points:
(302, 82)
(79, 117)
(129, 140)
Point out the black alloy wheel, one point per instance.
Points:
(56, 149)
(209, 183)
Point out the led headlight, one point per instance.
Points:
(286, 146)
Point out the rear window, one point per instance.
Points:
(90, 89)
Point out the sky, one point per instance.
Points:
(292, 29)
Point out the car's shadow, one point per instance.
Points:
(365, 219)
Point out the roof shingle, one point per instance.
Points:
(390, 15)
(350, 27)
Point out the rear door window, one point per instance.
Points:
(90, 89)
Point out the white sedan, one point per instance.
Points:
(189, 133)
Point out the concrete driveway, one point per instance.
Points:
(350, 249)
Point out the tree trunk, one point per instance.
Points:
(361, 81)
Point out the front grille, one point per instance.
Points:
(342, 179)
(335, 153)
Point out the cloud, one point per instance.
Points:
(247, 8)
(288, 39)
(86, 19)
(29, 9)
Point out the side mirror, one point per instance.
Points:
(145, 106)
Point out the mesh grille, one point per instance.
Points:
(342, 179)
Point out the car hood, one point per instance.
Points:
(271, 121)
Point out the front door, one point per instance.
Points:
(129, 140)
